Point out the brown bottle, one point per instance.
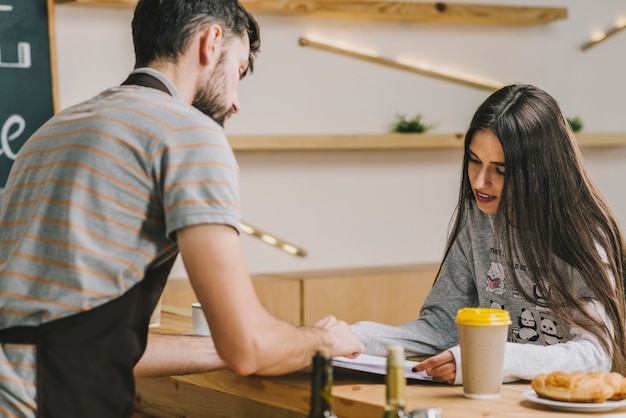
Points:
(321, 385)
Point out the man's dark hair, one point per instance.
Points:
(162, 29)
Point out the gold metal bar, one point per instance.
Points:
(486, 85)
(272, 240)
(605, 36)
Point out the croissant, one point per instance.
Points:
(616, 381)
(572, 387)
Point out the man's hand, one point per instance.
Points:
(342, 340)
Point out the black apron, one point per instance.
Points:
(85, 361)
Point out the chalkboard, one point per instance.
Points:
(27, 74)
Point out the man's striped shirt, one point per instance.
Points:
(93, 200)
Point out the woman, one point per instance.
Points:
(531, 235)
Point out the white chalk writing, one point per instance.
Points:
(23, 57)
(13, 122)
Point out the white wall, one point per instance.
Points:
(360, 208)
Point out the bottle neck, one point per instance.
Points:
(396, 383)
(321, 385)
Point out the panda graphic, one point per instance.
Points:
(548, 329)
(527, 326)
(495, 305)
(539, 297)
(495, 279)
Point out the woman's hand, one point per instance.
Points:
(441, 367)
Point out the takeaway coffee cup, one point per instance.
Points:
(482, 336)
(200, 325)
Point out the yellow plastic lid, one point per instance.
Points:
(483, 317)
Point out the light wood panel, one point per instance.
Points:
(154, 396)
(247, 143)
(174, 322)
(126, 3)
(388, 294)
(391, 295)
(280, 296)
(410, 11)
(178, 297)
(393, 10)
(343, 142)
(593, 140)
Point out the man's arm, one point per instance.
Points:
(168, 355)
(247, 337)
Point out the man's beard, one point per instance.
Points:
(210, 99)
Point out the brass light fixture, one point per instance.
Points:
(272, 240)
(602, 36)
(411, 67)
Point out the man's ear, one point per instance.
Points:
(211, 42)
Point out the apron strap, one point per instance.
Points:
(19, 335)
(146, 80)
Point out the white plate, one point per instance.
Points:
(531, 395)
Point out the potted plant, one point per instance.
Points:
(410, 125)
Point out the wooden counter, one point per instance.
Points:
(358, 395)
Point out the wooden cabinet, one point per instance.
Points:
(391, 295)
(280, 296)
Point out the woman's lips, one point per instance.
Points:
(484, 198)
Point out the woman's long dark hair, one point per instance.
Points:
(550, 212)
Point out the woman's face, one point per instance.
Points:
(486, 168)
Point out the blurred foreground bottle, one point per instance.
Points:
(396, 383)
(321, 385)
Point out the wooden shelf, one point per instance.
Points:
(393, 10)
(243, 143)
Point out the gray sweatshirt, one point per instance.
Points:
(473, 275)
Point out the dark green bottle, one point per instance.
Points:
(321, 385)
(395, 404)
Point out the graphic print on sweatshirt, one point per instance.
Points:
(527, 326)
(534, 328)
(495, 279)
(534, 324)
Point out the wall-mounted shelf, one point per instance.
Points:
(242, 143)
(393, 10)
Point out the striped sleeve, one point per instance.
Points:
(199, 177)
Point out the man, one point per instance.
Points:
(99, 202)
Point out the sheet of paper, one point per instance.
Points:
(377, 365)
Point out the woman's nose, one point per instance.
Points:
(483, 179)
